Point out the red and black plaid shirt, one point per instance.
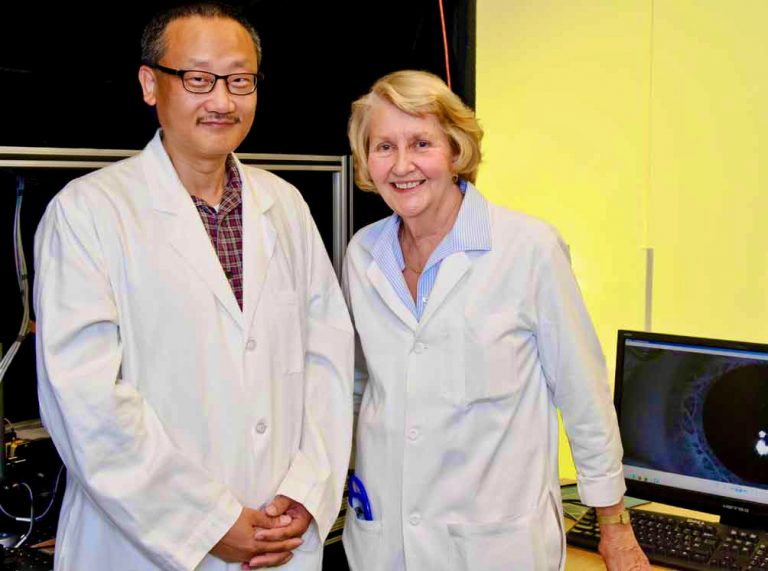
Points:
(225, 228)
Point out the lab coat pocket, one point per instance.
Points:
(490, 364)
(507, 545)
(362, 543)
(284, 332)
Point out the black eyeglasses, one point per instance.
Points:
(196, 81)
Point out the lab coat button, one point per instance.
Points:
(413, 433)
(251, 345)
(419, 347)
(261, 428)
(415, 519)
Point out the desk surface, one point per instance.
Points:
(578, 559)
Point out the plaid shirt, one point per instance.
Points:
(225, 228)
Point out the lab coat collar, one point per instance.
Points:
(169, 194)
(472, 231)
(378, 241)
(259, 238)
(452, 270)
(188, 237)
(389, 296)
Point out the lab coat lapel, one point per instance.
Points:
(184, 229)
(259, 238)
(189, 238)
(452, 270)
(389, 296)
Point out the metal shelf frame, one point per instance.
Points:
(340, 168)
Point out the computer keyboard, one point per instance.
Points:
(684, 543)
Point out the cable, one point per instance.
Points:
(31, 516)
(21, 278)
(53, 494)
(445, 45)
(56, 483)
(10, 425)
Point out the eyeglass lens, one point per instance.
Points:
(203, 82)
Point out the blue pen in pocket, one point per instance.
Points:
(358, 498)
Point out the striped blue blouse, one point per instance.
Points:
(471, 231)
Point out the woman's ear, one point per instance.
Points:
(454, 169)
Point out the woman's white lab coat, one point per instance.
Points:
(457, 440)
(170, 406)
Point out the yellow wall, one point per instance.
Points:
(709, 157)
(629, 125)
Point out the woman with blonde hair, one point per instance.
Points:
(474, 333)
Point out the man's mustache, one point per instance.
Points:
(219, 118)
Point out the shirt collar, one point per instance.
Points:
(471, 231)
(233, 180)
(232, 195)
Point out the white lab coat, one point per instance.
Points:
(457, 438)
(170, 406)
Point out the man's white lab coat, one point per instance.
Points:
(457, 441)
(170, 406)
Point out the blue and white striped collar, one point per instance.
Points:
(471, 231)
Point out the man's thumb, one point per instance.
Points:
(278, 506)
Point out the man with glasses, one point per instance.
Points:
(194, 349)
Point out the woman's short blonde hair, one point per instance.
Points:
(417, 93)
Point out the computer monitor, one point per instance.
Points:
(693, 416)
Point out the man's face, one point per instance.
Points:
(208, 125)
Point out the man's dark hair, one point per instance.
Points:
(153, 41)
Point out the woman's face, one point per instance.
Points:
(410, 161)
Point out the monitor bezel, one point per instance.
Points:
(742, 513)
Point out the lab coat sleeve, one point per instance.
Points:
(361, 367)
(317, 472)
(574, 367)
(110, 440)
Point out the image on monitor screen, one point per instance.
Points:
(693, 416)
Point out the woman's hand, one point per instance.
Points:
(619, 547)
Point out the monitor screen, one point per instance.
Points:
(693, 416)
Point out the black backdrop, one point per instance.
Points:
(68, 78)
(68, 70)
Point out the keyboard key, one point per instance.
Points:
(684, 543)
